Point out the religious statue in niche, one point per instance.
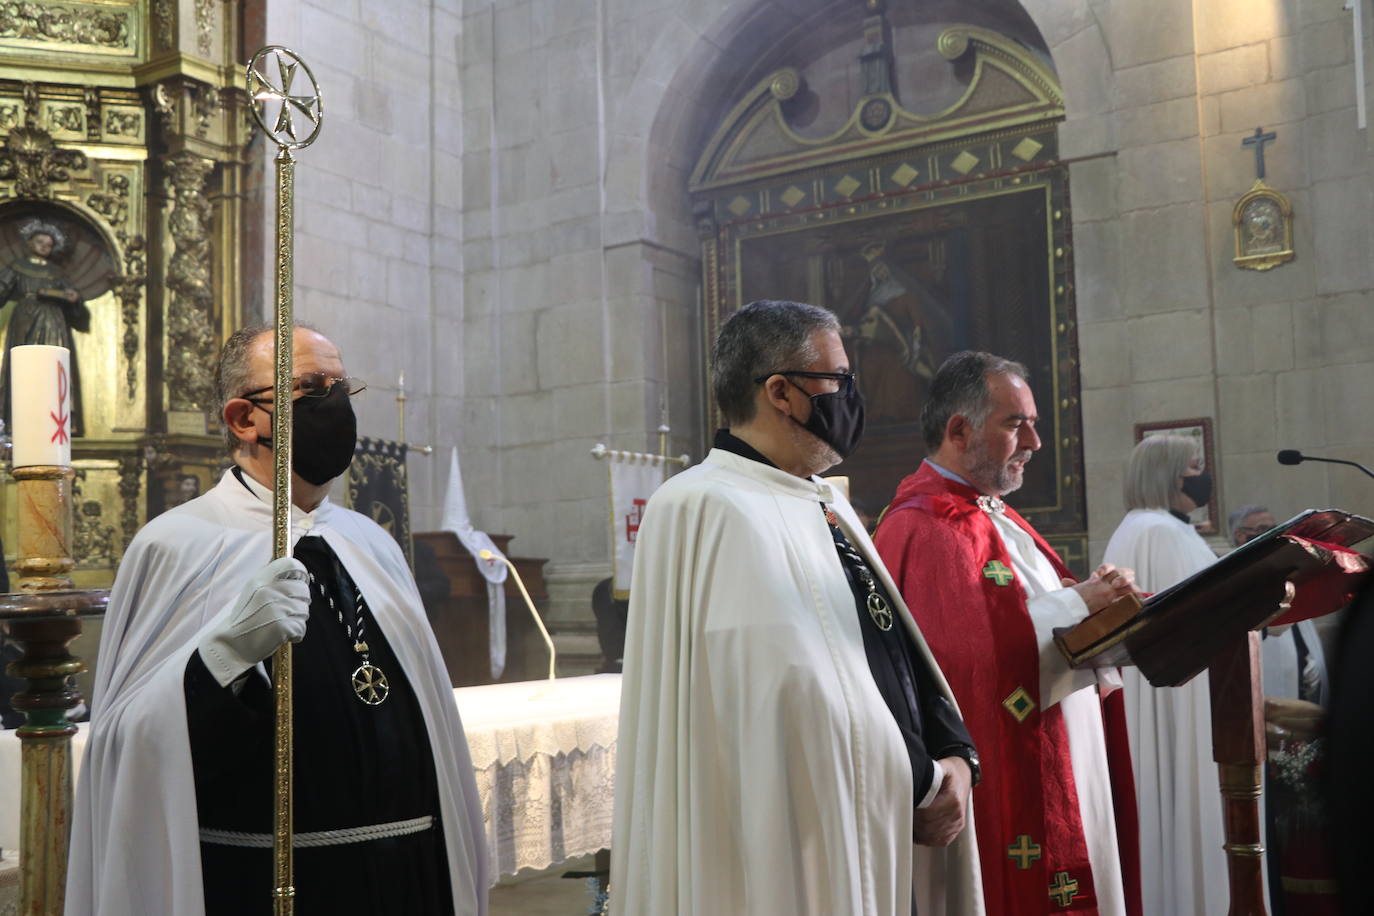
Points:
(1263, 223)
(52, 267)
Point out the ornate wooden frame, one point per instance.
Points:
(758, 178)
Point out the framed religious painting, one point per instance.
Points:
(1198, 429)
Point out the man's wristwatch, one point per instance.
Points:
(970, 756)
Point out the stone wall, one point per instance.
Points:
(379, 255)
(1162, 94)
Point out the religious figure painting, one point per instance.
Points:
(51, 265)
(910, 289)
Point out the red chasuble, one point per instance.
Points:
(954, 571)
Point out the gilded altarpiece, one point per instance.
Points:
(925, 235)
(124, 131)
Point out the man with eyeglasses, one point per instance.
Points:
(786, 739)
(174, 810)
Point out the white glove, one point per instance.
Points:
(272, 609)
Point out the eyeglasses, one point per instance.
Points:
(846, 379)
(312, 385)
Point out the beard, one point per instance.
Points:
(996, 477)
(818, 455)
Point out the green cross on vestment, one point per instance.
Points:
(1064, 889)
(998, 573)
(1023, 852)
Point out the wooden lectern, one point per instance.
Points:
(1301, 569)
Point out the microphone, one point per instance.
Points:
(1293, 456)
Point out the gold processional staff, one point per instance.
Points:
(291, 119)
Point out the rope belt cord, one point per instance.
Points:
(320, 837)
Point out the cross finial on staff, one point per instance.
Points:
(1257, 141)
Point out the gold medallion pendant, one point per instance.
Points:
(880, 611)
(370, 684)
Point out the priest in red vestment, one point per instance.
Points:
(1056, 809)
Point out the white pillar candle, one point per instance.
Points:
(41, 405)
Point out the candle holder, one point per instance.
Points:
(45, 527)
(42, 619)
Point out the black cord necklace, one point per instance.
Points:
(878, 608)
(369, 682)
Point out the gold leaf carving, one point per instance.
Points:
(205, 26)
(191, 350)
(31, 157)
(66, 118)
(122, 123)
(65, 24)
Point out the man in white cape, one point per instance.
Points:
(195, 609)
(1181, 837)
(784, 733)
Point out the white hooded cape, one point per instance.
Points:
(1182, 863)
(759, 771)
(135, 836)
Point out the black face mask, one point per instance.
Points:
(836, 419)
(1198, 488)
(324, 433)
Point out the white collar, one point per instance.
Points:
(299, 517)
(811, 488)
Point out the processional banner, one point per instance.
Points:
(378, 488)
(633, 481)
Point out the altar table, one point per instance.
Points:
(543, 753)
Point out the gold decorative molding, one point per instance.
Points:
(130, 485)
(191, 336)
(70, 26)
(205, 26)
(94, 540)
(32, 158)
(1010, 87)
(164, 24)
(113, 205)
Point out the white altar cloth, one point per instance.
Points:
(544, 757)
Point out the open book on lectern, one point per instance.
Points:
(1302, 568)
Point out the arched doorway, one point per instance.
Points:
(901, 168)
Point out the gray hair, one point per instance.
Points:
(763, 337)
(1153, 471)
(233, 375)
(37, 227)
(960, 388)
(1235, 518)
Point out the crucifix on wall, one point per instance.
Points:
(1257, 140)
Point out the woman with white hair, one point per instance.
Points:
(1182, 863)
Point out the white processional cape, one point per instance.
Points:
(1181, 833)
(135, 847)
(758, 769)
(494, 571)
